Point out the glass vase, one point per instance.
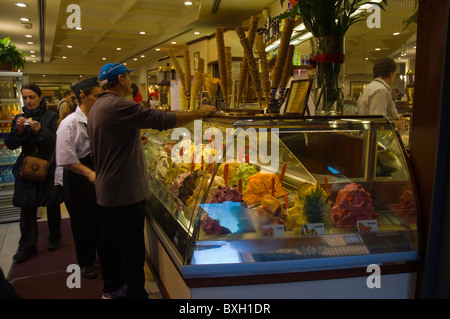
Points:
(329, 59)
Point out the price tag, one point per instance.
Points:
(313, 229)
(367, 226)
(273, 230)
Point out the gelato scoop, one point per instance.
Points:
(261, 184)
(353, 203)
(244, 172)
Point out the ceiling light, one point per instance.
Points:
(173, 42)
(142, 32)
(103, 59)
(28, 36)
(196, 32)
(135, 59)
(64, 57)
(188, 3)
(43, 75)
(79, 28)
(367, 59)
(32, 51)
(20, 4)
(142, 56)
(69, 46)
(118, 49)
(396, 33)
(30, 42)
(157, 49)
(24, 19)
(125, 63)
(377, 49)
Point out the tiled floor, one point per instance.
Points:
(9, 239)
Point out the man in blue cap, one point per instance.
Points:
(121, 184)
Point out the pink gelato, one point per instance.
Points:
(353, 203)
(405, 208)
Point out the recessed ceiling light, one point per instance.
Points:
(24, 19)
(28, 36)
(173, 42)
(64, 57)
(43, 75)
(196, 32)
(69, 46)
(142, 32)
(32, 51)
(377, 49)
(142, 56)
(118, 49)
(20, 4)
(30, 42)
(125, 63)
(188, 3)
(103, 58)
(135, 59)
(367, 59)
(79, 28)
(157, 49)
(396, 33)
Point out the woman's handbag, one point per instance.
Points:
(34, 168)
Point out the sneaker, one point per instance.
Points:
(89, 272)
(119, 293)
(53, 245)
(21, 256)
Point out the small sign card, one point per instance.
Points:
(273, 230)
(367, 226)
(313, 229)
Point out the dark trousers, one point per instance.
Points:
(29, 228)
(85, 226)
(122, 248)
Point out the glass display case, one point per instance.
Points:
(235, 195)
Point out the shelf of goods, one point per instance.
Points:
(11, 104)
(244, 206)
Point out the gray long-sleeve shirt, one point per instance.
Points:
(114, 125)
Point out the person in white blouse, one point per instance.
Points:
(376, 98)
(73, 154)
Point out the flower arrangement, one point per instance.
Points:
(10, 55)
(155, 94)
(328, 21)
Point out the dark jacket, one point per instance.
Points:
(40, 144)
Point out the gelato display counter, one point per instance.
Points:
(282, 207)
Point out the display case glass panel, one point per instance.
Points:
(307, 193)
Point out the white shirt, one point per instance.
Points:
(72, 140)
(376, 99)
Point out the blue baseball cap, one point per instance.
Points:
(110, 71)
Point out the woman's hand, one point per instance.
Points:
(20, 125)
(35, 125)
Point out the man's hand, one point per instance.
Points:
(207, 110)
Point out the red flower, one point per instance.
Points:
(293, 2)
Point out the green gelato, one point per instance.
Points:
(243, 172)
